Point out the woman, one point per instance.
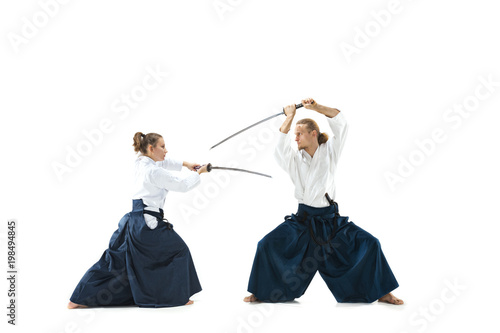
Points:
(147, 263)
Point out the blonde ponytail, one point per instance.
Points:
(322, 138)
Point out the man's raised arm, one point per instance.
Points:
(311, 104)
(290, 113)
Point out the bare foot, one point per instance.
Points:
(391, 299)
(72, 305)
(250, 298)
(189, 302)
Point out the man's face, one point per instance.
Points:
(304, 138)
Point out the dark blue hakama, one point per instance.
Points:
(349, 259)
(142, 266)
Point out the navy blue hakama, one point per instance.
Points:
(142, 266)
(349, 259)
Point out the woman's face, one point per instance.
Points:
(158, 152)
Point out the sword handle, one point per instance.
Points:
(209, 167)
(297, 106)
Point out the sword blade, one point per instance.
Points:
(246, 128)
(242, 170)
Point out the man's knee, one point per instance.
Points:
(262, 244)
(372, 241)
(364, 237)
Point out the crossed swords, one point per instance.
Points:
(210, 167)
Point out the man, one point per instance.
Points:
(317, 238)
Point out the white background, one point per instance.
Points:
(226, 70)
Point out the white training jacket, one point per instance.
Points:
(313, 176)
(153, 181)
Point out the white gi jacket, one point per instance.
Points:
(313, 176)
(153, 181)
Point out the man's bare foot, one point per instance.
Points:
(250, 298)
(189, 302)
(72, 305)
(391, 299)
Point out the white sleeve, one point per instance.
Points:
(339, 127)
(283, 153)
(151, 221)
(164, 179)
(170, 164)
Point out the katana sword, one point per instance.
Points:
(297, 106)
(210, 167)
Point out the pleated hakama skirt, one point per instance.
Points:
(142, 266)
(349, 259)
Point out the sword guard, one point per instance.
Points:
(209, 167)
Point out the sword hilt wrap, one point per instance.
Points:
(297, 106)
(209, 167)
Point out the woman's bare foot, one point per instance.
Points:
(250, 298)
(72, 305)
(189, 302)
(391, 299)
